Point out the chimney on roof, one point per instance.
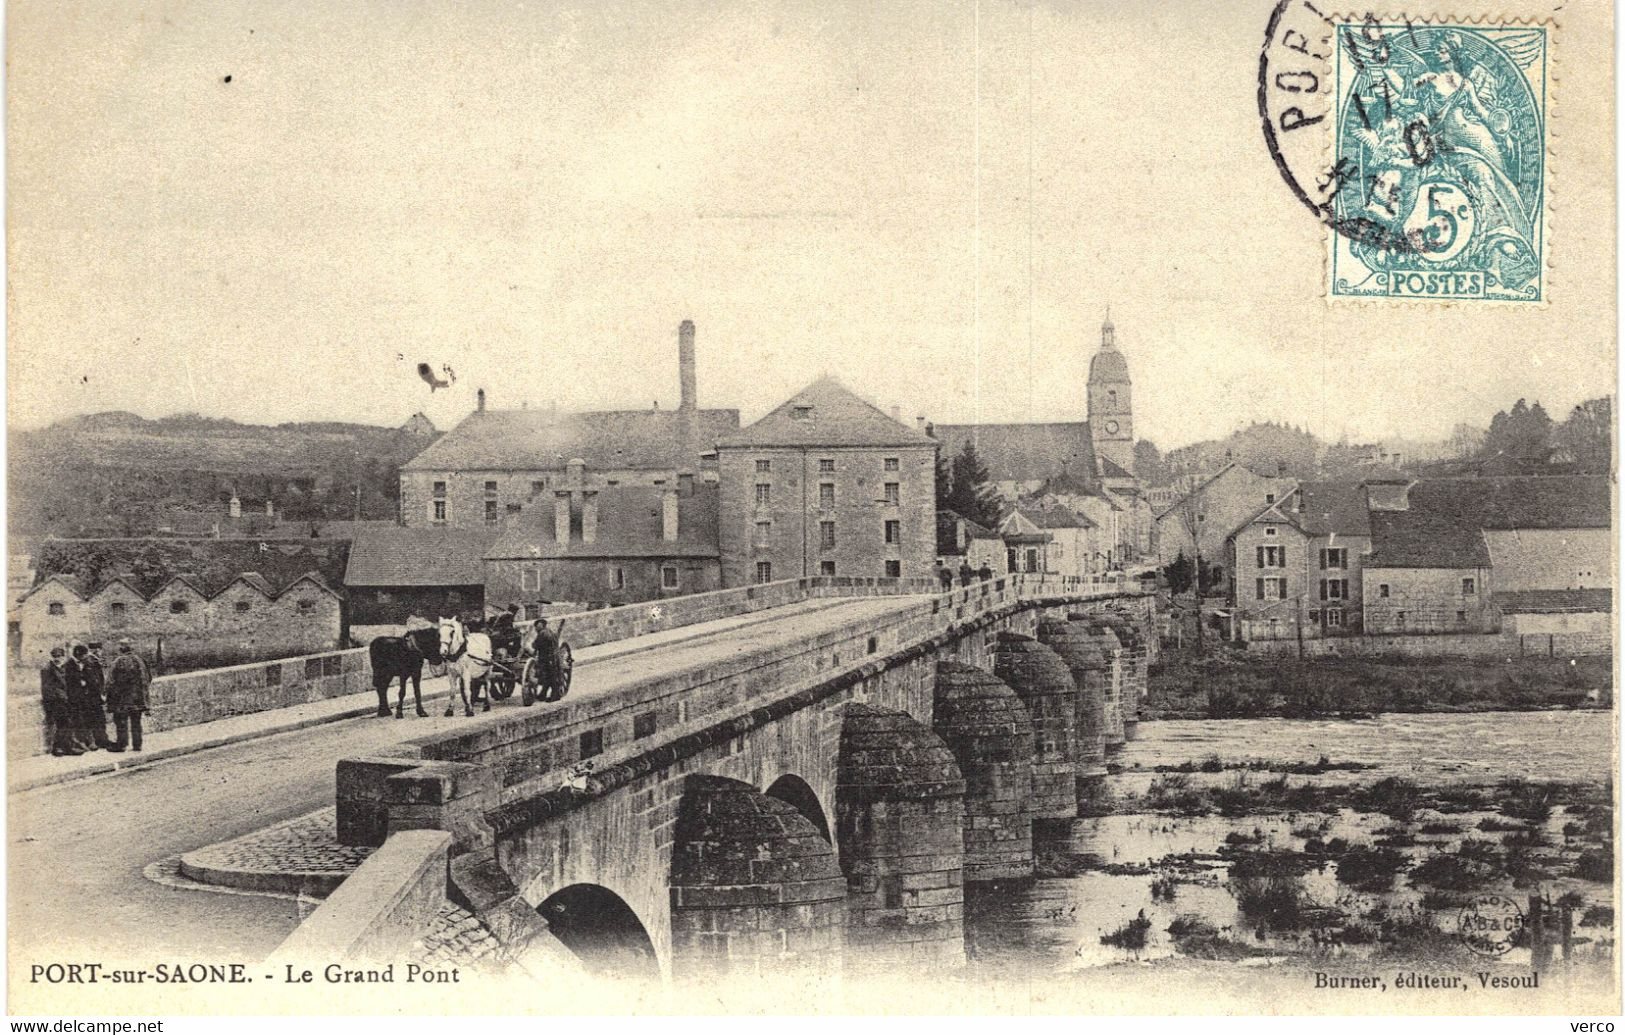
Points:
(919, 422)
(479, 400)
(668, 515)
(589, 517)
(576, 473)
(561, 518)
(688, 401)
(897, 414)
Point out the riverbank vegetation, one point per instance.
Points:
(1226, 684)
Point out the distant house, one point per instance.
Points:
(396, 573)
(608, 547)
(1026, 544)
(963, 541)
(420, 425)
(1448, 552)
(1074, 547)
(1298, 563)
(1203, 519)
(186, 622)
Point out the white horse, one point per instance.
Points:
(468, 657)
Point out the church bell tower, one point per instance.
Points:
(1111, 419)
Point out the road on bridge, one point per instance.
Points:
(77, 851)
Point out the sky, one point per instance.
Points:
(934, 201)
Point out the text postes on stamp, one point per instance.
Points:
(1439, 152)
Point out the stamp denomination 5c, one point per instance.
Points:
(1439, 158)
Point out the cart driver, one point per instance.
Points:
(546, 647)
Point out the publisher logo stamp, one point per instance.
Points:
(1490, 923)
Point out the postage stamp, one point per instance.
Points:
(1439, 161)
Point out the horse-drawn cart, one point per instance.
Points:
(513, 664)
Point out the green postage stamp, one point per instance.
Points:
(1439, 158)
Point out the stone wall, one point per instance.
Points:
(595, 579)
(1551, 558)
(1589, 633)
(1428, 600)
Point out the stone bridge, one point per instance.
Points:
(793, 805)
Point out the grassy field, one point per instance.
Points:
(1224, 684)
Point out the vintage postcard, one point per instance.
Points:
(990, 506)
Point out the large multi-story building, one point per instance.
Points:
(499, 464)
(1297, 563)
(826, 484)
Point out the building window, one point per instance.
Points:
(894, 569)
(894, 532)
(1467, 588)
(826, 496)
(241, 607)
(438, 512)
(1334, 557)
(529, 578)
(1269, 497)
(1400, 618)
(1271, 589)
(1461, 617)
(1269, 529)
(1334, 589)
(1272, 556)
(56, 608)
(617, 578)
(119, 610)
(826, 567)
(826, 466)
(490, 488)
(1032, 559)
(764, 533)
(306, 606)
(893, 497)
(801, 413)
(891, 463)
(536, 487)
(764, 494)
(764, 571)
(490, 512)
(439, 488)
(179, 607)
(764, 467)
(1382, 590)
(826, 535)
(384, 596)
(668, 577)
(1334, 618)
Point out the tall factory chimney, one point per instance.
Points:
(688, 402)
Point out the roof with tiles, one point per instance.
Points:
(826, 413)
(419, 557)
(545, 440)
(1443, 523)
(1025, 452)
(146, 565)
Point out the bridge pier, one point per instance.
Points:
(987, 728)
(1045, 686)
(1134, 669)
(755, 888)
(1076, 649)
(900, 813)
(1111, 648)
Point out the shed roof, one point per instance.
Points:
(419, 557)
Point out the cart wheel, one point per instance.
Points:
(567, 666)
(527, 684)
(501, 687)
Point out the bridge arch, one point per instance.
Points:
(799, 795)
(604, 932)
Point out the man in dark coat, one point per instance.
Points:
(985, 573)
(53, 688)
(73, 673)
(546, 647)
(965, 573)
(93, 712)
(127, 696)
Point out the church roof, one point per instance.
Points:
(1109, 468)
(1024, 452)
(826, 413)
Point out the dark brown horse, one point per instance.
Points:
(402, 657)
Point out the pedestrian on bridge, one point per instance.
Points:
(127, 696)
(92, 706)
(53, 688)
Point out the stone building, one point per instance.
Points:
(608, 547)
(826, 484)
(1202, 519)
(963, 541)
(186, 622)
(1298, 563)
(397, 573)
(499, 464)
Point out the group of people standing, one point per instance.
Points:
(79, 692)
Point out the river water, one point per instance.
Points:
(1057, 924)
